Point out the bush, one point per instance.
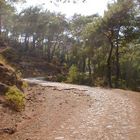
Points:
(15, 98)
(73, 74)
(61, 78)
(2, 60)
(84, 79)
(24, 85)
(99, 82)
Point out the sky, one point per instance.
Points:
(88, 8)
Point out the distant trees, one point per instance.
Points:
(39, 30)
(117, 20)
(7, 10)
(103, 49)
(67, 1)
(118, 26)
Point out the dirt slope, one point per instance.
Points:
(54, 113)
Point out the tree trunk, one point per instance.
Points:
(89, 66)
(117, 59)
(26, 41)
(53, 51)
(34, 39)
(0, 24)
(117, 67)
(84, 65)
(48, 50)
(109, 75)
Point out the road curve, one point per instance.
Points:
(113, 114)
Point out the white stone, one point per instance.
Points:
(59, 138)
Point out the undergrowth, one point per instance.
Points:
(15, 98)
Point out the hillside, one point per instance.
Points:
(31, 65)
(8, 76)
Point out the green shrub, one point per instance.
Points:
(25, 85)
(61, 78)
(99, 82)
(2, 60)
(15, 98)
(84, 79)
(73, 74)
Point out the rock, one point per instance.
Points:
(8, 130)
(59, 138)
(62, 126)
(109, 126)
(3, 88)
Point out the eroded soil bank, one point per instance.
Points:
(54, 113)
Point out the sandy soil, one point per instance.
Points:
(52, 113)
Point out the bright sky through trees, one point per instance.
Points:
(88, 8)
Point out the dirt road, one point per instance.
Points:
(57, 111)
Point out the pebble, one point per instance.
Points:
(72, 128)
(75, 132)
(109, 126)
(59, 138)
(62, 126)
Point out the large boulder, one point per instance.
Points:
(8, 77)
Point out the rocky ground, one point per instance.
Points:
(54, 113)
(8, 78)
